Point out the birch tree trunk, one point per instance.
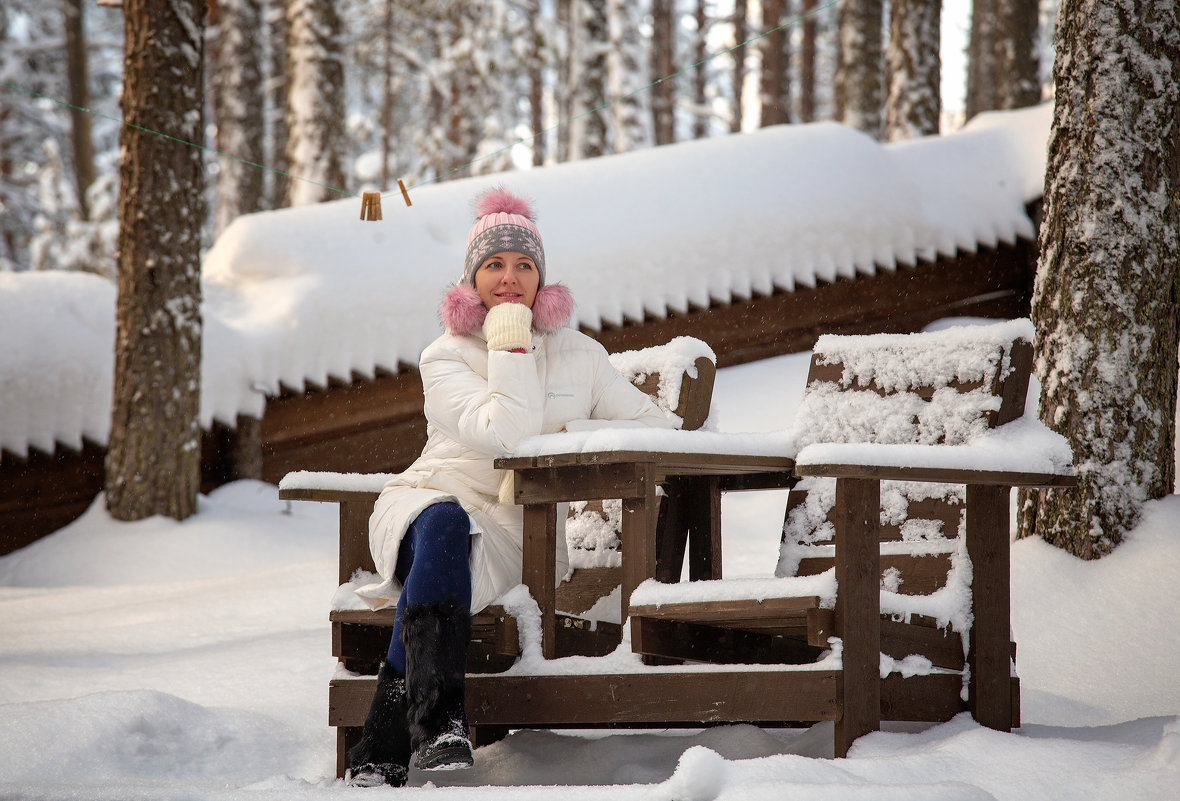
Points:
(153, 461)
(276, 182)
(315, 102)
(1105, 301)
(239, 101)
(860, 73)
(913, 69)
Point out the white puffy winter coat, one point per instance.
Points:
(479, 405)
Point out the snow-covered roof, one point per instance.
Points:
(303, 294)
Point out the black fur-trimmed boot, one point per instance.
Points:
(436, 637)
(383, 754)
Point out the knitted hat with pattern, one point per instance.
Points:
(504, 222)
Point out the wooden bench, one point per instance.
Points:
(679, 376)
(933, 515)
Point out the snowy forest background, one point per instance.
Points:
(351, 95)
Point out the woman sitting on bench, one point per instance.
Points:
(445, 532)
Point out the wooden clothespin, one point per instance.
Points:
(371, 206)
(405, 194)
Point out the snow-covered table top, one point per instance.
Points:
(1023, 452)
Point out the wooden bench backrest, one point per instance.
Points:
(937, 388)
(679, 376)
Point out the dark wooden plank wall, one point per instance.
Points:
(376, 424)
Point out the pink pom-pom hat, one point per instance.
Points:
(504, 222)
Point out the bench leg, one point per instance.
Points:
(858, 607)
(990, 687)
(346, 738)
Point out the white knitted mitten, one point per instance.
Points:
(508, 326)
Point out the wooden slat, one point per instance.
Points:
(833, 372)
(655, 698)
(696, 395)
(681, 463)
(713, 611)
(920, 574)
(932, 698)
(938, 475)
(644, 699)
(586, 586)
(328, 495)
(672, 639)
(577, 482)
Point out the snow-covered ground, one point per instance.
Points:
(190, 660)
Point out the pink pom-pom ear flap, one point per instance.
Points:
(463, 313)
(501, 200)
(553, 308)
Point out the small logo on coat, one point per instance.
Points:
(554, 395)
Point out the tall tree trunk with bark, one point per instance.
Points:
(315, 102)
(807, 48)
(1017, 65)
(153, 462)
(663, 64)
(238, 105)
(860, 70)
(276, 104)
(78, 79)
(1107, 296)
(700, 71)
(741, 29)
(913, 69)
(776, 63)
(536, 79)
(981, 59)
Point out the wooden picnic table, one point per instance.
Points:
(693, 481)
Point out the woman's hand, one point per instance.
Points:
(508, 326)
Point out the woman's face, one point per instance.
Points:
(507, 277)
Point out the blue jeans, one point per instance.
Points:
(432, 567)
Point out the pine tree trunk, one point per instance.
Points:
(315, 102)
(807, 49)
(981, 59)
(913, 69)
(238, 108)
(153, 462)
(663, 61)
(78, 78)
(860, 70)
(1017, 65)
(700, 72)
(1105, 301)
(776, 64)
(740, 34)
